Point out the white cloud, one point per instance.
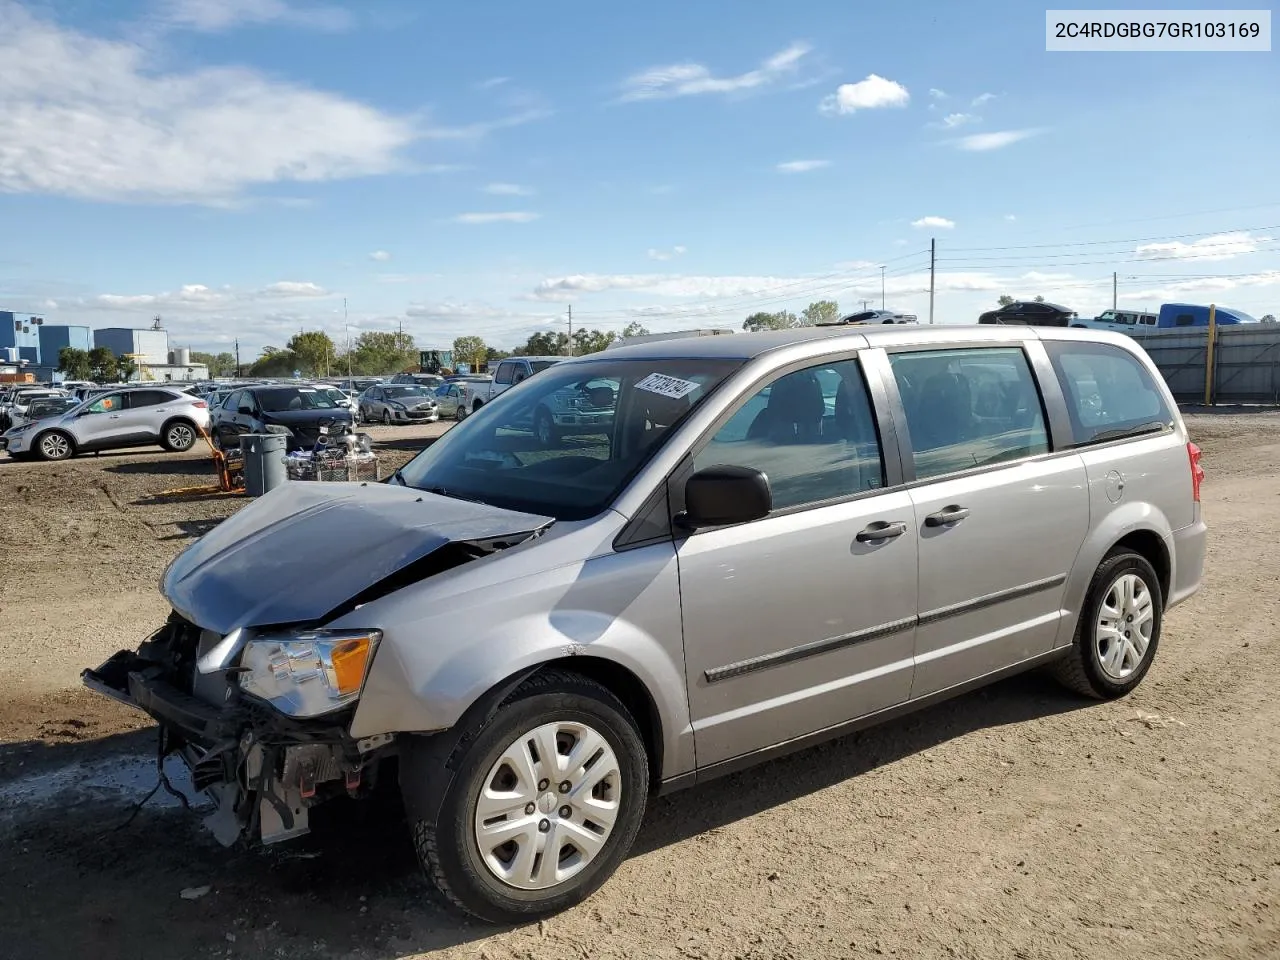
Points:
(1011, 217)
(95, 119)
(854, 265)
(802, 166)
(937, 223)
(953, 120)
(1220, 246)
(511, 216)
(461, 310)
(199, 297)
(662, 189)
(508, 190)
(872, 93)
(981, 98)
(211, 16)
(481, 129)
(382, 256)
(937, 94)
(692, 79)
(1173, 291)
(491, 83)
(442, 168)
(663, 284)
(993, 141)
(666, 254)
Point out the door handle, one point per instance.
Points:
(881, 530)
(946, 516)
(113, 416)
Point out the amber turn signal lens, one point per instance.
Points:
(350, 657)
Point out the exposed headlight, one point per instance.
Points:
(395, 406)
(21, 428)
(311, 673)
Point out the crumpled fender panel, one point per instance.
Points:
(304, 550)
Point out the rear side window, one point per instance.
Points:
(969, 408)
(148, 398)
(1108, 390)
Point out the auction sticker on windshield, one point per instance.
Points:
(665, 386)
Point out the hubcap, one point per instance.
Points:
(55, 445)
(533, 834)
(1125, 622)
(181, 437)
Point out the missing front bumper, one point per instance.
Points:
(262, 771)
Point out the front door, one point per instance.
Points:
(999, 523)
(804, 619)
(102, 423)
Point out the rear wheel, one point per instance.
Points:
(179, 436)
(54, 445)
(546, 801)
(545, 428)
(1119, 629)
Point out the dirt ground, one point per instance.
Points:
(1015, 822)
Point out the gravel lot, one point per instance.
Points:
(1015, 822)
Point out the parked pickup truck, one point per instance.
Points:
(508, 373)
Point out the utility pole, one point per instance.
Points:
(864, 304)
(347, 330)
(237, 358)
(882, 287)
(1113, 290)
(933, 262)
(571, 329)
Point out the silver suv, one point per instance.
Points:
(774, 539)
(135, 417)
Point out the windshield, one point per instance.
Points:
(45, 408)
(295, 398)
(404, 391)
(565, 443)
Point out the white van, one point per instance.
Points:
(1122, 321)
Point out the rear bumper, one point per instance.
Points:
(1188, 551)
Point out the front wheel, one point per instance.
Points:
(55, 445)
(546, 801)
(460, 414)
(1119, 629)
(545, 428)
(386, 418)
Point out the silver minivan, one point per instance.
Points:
(774, 539)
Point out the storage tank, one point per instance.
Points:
(182, 356)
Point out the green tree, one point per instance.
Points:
(545, 344)
(782, 320)
(1268, 318)
(1004, 300)
(274, 362)
(376, 353)
(314, 351)
(1039, 298)
(635, 329)
(821, 311)
(591, 341)
(103, 367)
(220, 365)
(125, 369)
(493, 353)
(471, 351)
(74, 364)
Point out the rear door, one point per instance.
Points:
(804, 619)
(999, 517)
(145, 414)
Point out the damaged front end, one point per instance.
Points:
(262, 768)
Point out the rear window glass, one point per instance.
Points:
(1108, 391)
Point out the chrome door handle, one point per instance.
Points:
(113, 416)
(881, 530)
(946, 516)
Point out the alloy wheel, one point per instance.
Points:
(1123, 630)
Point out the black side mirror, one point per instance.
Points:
(722, 495)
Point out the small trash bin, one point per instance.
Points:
(263, 462)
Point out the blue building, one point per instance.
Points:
(54, 337)
(21, 330)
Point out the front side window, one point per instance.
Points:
(810, 432)
(969, 408)
(1108, 391)
(111, 403)
(567, 443)
(505, 371)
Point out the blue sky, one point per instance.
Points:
(239, 167)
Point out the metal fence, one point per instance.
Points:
(1246, 363)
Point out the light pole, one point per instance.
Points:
(882, 287)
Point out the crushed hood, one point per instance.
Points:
(305, 549)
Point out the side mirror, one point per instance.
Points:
(722, 495)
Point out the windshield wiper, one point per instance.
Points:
(1154, 426)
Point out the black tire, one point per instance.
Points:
(386, 418)
(179, 436)
(544, 427)
(46, 445)
(1082, 669)
(461, 413)
(447, 846)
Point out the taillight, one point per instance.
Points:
(1197, 471)
(200, 405)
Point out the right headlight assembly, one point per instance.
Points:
(309, 673)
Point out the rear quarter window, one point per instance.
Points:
(1107, 389)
